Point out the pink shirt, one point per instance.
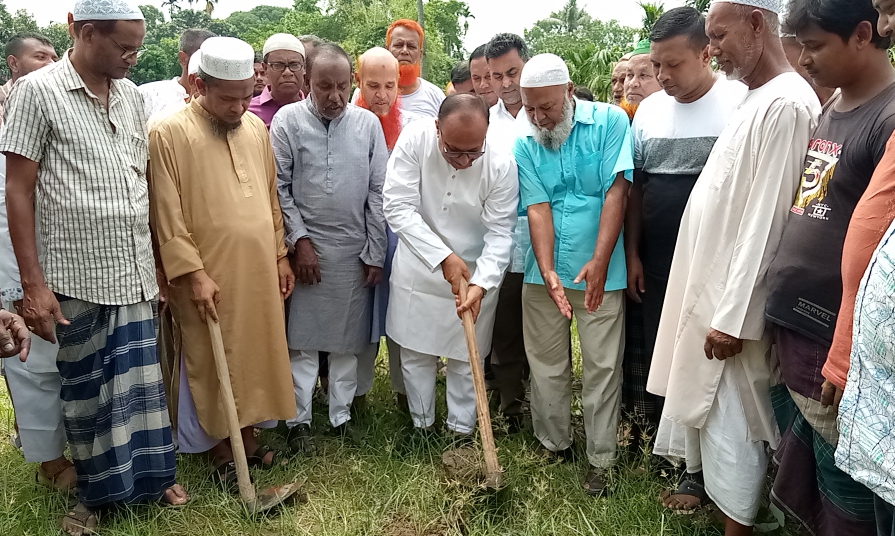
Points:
(265, 107)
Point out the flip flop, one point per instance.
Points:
(51, 481)
(81, 516)
(689, 488)
(257, 458)
(225, 475)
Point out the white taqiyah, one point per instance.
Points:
(775, 6)
(227, 58)
(106, 10)
(193, 66)
(282, 41)
(544, 70)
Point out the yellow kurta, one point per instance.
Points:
(215, 207)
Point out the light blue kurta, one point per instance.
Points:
(330, 185)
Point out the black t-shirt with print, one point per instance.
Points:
(805, 279)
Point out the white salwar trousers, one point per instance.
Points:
(419, 372)
(734, 466)
(344, 378)
(34, 388)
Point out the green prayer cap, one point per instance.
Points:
(641, 48)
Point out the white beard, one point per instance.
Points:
(554, 139)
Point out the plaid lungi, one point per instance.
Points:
(808, 485)
(113, 402)
(639, 405)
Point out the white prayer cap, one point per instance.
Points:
(774, 6)
(193, 66)
(227, 58)
(282, 41)
(106, 10)
(544, 70)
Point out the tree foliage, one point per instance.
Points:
(23, 21)
(589, 46)
(651, 13)
(701, 6)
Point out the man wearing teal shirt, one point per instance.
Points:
(574, 173)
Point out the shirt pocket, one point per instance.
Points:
(550, 176)
(589, 178)
(139, 152)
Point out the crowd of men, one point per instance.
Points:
(724, 241)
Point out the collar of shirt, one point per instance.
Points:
(71, 79)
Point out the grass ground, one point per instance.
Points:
(388, 482)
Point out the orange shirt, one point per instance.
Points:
(872, 216)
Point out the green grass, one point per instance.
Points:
(388, 482)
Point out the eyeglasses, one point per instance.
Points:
(473, 155)
(294, 66)
(129, 53)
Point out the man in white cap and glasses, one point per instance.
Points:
(712, 353)
(284, 69)
(220, 235)
(458, 226)
(76, 140)
(575, 169)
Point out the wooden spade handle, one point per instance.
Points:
(492, 466)
(246, 489)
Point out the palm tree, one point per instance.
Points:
(651, 13)
(572, 16)
(701, 6)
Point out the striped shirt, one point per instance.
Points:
(92, 193)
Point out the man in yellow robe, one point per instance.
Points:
(219, 228)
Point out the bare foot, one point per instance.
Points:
(80, 521)
(175, 496)
(680, 502)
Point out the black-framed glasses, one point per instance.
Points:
(129, 53)
(294, 66)
(473, 155)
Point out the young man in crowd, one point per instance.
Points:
(711, 359)
(481, 76)
(674, 132)
(840, 48)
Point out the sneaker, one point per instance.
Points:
(300, 440)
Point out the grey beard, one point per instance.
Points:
(554, 139)
(221, 128)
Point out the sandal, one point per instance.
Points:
(225, 475)
(257, 459)
(688, 497)
(80, 521)
(54, 482)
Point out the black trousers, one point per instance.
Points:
(885, 517)
(508, 360)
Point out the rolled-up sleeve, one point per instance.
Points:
(282, 149)
(531, 189)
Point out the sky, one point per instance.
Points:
(491, 16)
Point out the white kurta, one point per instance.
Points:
(729, 234)
(437, 210)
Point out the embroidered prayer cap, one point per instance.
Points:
(774, 6)
(193, 66)
(106, 10)
(544, 70)
(641, 48)
(227, 58)
(282, 41)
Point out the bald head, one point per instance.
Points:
(377, 78)
(462, 125)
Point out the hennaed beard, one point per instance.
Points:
(408, 74)
(222, 128)
(391, 122)
(554, 139)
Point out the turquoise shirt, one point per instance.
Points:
(574, 180)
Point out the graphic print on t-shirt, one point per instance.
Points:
(820, 163)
